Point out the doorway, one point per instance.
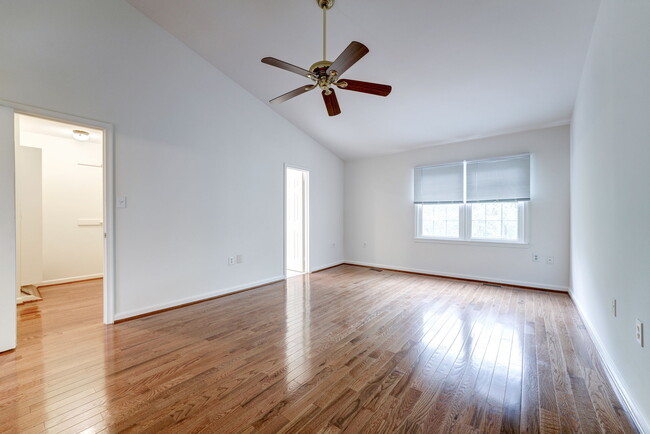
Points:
(59, 186)
(296, 221)
(9, 134)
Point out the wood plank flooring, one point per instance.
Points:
(344, 350)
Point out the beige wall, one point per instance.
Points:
(72, 193)
(29, 218)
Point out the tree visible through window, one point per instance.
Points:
(495, 221)
(441, 221)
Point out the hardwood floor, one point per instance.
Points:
(345, 350)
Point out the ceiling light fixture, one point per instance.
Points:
(81, 135)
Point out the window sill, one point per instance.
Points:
(516, 245)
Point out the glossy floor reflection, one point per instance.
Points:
(347, 349)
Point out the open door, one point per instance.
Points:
(7, 232)
(297, 223)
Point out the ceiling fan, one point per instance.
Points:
(326, 75)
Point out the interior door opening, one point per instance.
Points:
(296, 221)
(59, 192)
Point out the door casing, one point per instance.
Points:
(109, 192)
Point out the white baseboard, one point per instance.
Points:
(615, 377)
(465, 276)
(26, 299)
(69, 279)
(200, 297)
(322, 267)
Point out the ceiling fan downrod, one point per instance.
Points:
(325, 5)
(322, 80)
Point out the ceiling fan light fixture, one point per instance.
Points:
(326, 75)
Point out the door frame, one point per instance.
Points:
(109, 191)
(305, 226)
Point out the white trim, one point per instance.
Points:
(472, 242)
(109, 191)
(613, 374)
(305, 212)
(22, 299)
(322, 267)
(109, 224)
(557, 288)
(200, 297)
(17, 211)
(8, 226)
(69, 279)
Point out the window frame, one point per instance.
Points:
(465, 227)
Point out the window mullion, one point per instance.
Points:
(465, 218)
(463, 222)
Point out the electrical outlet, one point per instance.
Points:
(639, 332)
(231, 260)
(550, 260)
(240, 259)
(535, 257)
(614, 307)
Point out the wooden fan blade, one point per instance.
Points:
(293, 93)
(331, 103)
(349, 56)
(287, 66)
(366, 87)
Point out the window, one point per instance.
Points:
(480, 200)
(441, 221)
(495, 221)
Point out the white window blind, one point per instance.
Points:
(439, 184)
(499, 179)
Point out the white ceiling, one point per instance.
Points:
(459, 68)
(52, 128)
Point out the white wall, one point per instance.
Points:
(70, 192)
(610, 188)
(380, 212)
(200, 159)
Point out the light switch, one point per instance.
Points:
(121, 201)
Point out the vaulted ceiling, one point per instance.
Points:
(459, 68)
